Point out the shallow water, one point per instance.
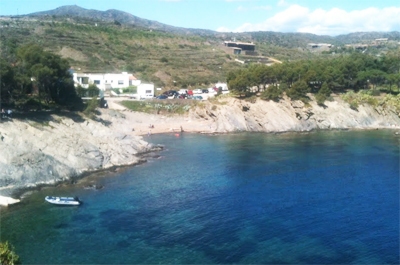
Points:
(314, 198)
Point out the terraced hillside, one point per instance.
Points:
(154, 56)
(114, 41)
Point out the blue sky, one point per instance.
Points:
(318, 17)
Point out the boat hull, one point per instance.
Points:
(67, 201)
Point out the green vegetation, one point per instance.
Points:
(323, 94)
(271, 93)
(321, 76)
(131, 89)
(91, 107)
(189, 57)
(176, 106)
(367, 97)
(391, 102)
(97, 46)
(8, 255)
(33, 78)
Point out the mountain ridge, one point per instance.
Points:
(130, 19)
(118, 16)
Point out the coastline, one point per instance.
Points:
(123, 140)
(20, 192)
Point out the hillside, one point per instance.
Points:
(115, 41)
(98, 46)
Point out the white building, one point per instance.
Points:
(145, 90)
(105, 81)
(223, 86)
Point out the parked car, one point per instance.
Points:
(182, 91)
(162, 97)
(211, 90)
(204, 91)
(170, 93)
(198, 97)
(197, 91)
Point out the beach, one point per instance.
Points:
(145, 124)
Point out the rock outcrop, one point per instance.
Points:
(286, 115)
(58, 148)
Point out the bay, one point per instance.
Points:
(327, 197)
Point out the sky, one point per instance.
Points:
(321, 17)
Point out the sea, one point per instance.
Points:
(322, 197)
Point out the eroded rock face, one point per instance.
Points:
(35, 153)
(287, 115)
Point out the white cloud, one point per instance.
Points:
(335, 21)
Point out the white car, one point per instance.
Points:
(197, 91)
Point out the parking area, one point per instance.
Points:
(197, 94)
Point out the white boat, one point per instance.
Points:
(63, 200)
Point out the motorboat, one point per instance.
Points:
(63, 200)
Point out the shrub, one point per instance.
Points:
(131, 89)
(80, 91)
(320, 98)
(91, 107)
(160, 106)
(251, 99)
(271, 93)
(351, 98)
(93, 91)
(391, 101)
(362, 97)
(298, 91)
(8, 255)
(323, 94)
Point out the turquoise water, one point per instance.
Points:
(315, 198)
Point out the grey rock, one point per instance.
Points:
(34, 154)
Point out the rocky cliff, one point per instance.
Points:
(286, 115)
(46, 149)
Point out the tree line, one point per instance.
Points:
(320, 76)
(31, 77)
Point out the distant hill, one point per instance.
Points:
(291, 39)
(359, 37)
(116, 16)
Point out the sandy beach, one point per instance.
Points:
(146, 124)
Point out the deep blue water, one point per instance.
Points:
(315, 198)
